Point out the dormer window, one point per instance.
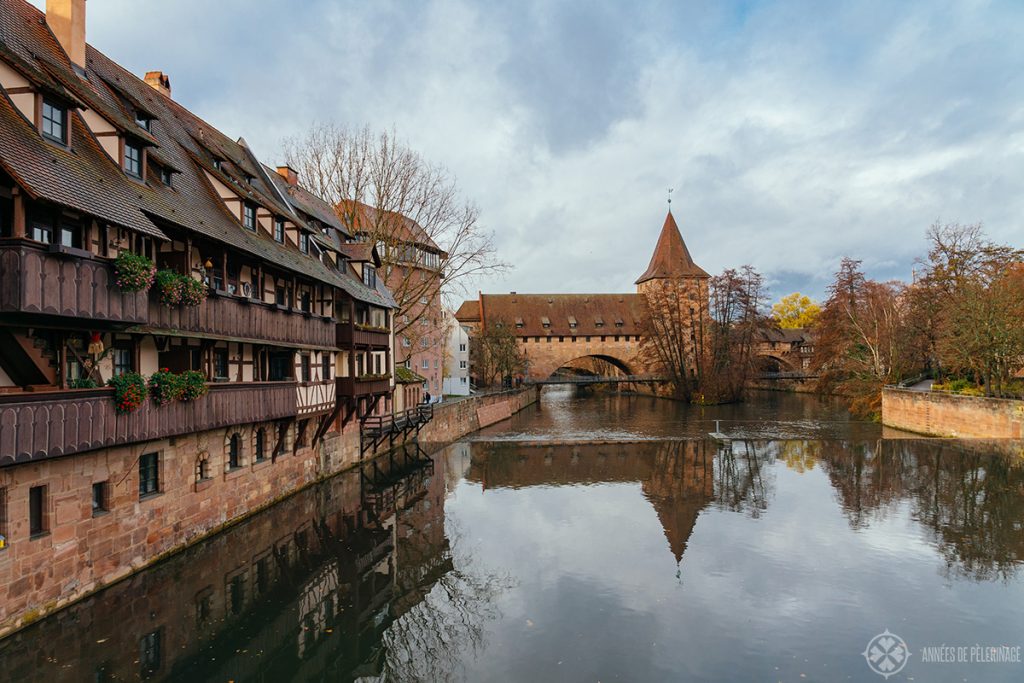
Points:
(133, 159)
(218, 164)
(166, 176)
(143, 121)
(304, 243)
(249, 216)
(279, 230)
(369, 276)
(249, 179)
(55, 122)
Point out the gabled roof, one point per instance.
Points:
(364, 218)
(86, 179)
(671, 258)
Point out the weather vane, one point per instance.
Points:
(670, 190)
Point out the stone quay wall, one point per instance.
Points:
(940, 414)
(82, 550)
(454, 419)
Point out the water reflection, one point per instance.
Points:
(516, 559)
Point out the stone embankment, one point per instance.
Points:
(950, 415)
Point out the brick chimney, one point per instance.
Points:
(289, 174)
(159, 81)
(66, 18)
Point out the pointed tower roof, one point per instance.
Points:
(671, 257)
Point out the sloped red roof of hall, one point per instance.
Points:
(671, 258)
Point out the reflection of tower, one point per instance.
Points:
(680, 485)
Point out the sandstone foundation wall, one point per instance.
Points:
(950, 415)
(454, 419)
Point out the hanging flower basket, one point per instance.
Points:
(193, 292)
(133, 273)
(165, 386)
(129, 391)
(193, 385)
(171, 287)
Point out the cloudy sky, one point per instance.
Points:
(794, 132)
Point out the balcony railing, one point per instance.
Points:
(226, 315)
(363, 386)
(35, 279)
(48, 424)
(350, 336)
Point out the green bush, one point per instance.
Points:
(82, 383)
(129, 391)
(132, 272)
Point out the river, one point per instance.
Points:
(593, 538)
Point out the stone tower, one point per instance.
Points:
(671, 261)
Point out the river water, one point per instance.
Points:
(600, 538)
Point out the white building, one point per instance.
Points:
(456, 363)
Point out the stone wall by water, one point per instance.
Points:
(454, 419)
(950, 415)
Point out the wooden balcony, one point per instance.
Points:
(362, 386)
(237, 317)
(47, 424)
(350, 336)
(43, 280)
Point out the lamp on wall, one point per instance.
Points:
(208, 264)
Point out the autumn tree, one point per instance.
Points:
(862, 339)
(795, 311)
(429, 238)
(970, 303)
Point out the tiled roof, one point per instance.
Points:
(553, 314)
(363, 217)
(671, 258)
(85, 178)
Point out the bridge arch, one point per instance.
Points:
(768, 362)
(544, 359)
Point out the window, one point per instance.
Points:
(149, 474)
(166, 176)
(280, 366)
(100, 503)
(325, 366)
(55, 121)
(426, 364)
(249, 216)
(42, 232)
(307, 373)
(259, 450)
(279, 230)
(280, 296)
(202, 467)
(462, 347)
(70, 235)
(462, 364)
(305, 302)
(405, 342)
(462, 379)
(37, 522)
(369, 276)
(424, 342)
(304, 243)
(149, 653)
(143, 121)
(220, 363)
(235, 451)
(133, 159)
(123, 360)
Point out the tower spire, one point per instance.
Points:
(671, 258)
